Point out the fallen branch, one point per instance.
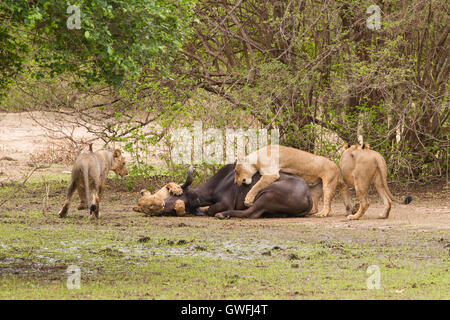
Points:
(33, 171)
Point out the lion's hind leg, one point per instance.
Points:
(82, 195)
(362, 188)
(94, 209)
(329, 191)
(316, 193)
(70, 190)
(383, 194)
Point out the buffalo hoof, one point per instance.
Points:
(221, 216)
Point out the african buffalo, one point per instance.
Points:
(289, 195)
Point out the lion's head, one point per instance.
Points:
(348, 148)
(149, 204)
(244, 170)
(118, 164)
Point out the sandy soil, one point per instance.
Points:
(422, 214)
(21, 135)
(31, 139)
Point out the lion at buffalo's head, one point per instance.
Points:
(166, 201)
(153, 204)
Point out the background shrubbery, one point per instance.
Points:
(311, 69)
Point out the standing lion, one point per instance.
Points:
(360, 168)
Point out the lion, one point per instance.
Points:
(89, 173)
(360, 168)
(317, 171)
(153, 204)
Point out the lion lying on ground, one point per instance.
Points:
(268, 161)
(360, 168)
(89, 173)
(152, 204)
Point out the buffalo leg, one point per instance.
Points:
(252, 213)
(265, 181)
(218, 207)
(200, 212)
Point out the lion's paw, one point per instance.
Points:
(174, 189)
(322, 214)
(82, 206)
(248, 202)
(180, 208)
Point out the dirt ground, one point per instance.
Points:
(127, 255)
(34, 139)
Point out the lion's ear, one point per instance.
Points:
(366, 146)
(117, 153)
(240, 157)
(346, 145)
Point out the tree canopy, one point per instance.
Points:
(95, 40)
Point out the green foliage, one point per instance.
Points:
(313, 70)
(116, 40)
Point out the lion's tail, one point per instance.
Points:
(381, 163)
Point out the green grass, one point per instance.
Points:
(127, 256)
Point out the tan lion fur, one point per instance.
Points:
(360, 168)
(268, 161)
(152, 204)
(89, 174)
